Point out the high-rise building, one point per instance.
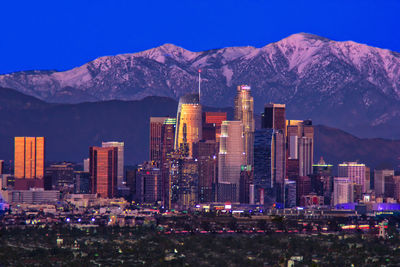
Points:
(189, 123)
(342, 190)
(269, 165)
(231, 154)
(274, 117)
(120, 169)
(156, 125)
(246, 188)
(103, 171)
(148, 184)
(244, 112)
(380, 176)
(29, 157)
(290, 193)
(300, 145)
(212, 122)
(322, 169)
(355, 171)
(205, 152)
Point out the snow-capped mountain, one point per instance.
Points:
(343, 84)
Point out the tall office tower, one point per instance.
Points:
(379, 181)
(205, 152)
(305, 155)
(103, 171)
(269, 165)
(274, 117)
(246, 187)
(86, 163)
(290, 194)
(355, 171)
(29, 157)
(212, 125)
(1, 167)
(342, 190)
(59, 177)
(300, 144)
(156, 125)
(184, 177)
(244, 112)
(189, 120)
(231, 155)
(120, 170)
(148, 183)
(167, 137)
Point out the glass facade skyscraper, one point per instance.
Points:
(29, 157)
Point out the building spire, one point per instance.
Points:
(199, 84)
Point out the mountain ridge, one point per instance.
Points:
(347, 85)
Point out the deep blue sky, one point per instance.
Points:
(60, 34)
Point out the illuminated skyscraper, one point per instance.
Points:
(300, 144)
(103, 171)
(189, 123)
(120, 171)
(355, 171)
(342, 190)
(156, 124)
(29, 157)
(231, 155)
(244, 112)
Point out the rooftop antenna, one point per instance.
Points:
(199, 84)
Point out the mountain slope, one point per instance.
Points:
(347, 85)
(71, 128)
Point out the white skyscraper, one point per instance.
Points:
(86, 163)
(231, 156)
(120, 171)
(342, 190)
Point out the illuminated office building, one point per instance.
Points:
(205, 152)
(120, 170)
(189, 123)
(244, 112)
(300, 145)
(231, 155)
(29, 157)
(156, 125)
(355, 171)
(103, 171)
(342, 190)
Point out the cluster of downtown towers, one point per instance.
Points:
(201, 157)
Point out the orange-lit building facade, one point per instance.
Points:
(29, 157)
(103, 169)
(189, 123)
